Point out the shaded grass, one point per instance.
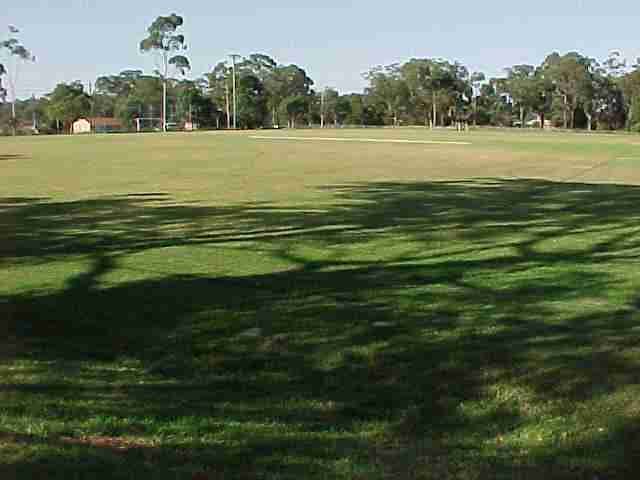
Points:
(465, 328)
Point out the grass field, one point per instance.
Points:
(214, 306)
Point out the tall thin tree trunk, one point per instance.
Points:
(572, 117)
(475, 111)
(13, 116)
(434, 123)
(589, 121)
(521, 116)
(564, 112)
(541, 115)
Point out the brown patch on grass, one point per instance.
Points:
(115, 444)
(111, 443)
(12, 156)
(275, 344)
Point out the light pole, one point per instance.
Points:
(324, 90)
(165, 61)
(235, 98)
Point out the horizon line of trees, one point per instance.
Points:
(568, 91)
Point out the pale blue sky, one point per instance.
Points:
(335, 41)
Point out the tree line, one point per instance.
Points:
(255, 91)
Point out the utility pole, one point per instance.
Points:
(324, 90)
(226, 99)
(165, 60)
(164, 106)
(235, 98)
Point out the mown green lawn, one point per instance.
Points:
(212, 306)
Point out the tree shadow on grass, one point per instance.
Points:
(499, 308)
